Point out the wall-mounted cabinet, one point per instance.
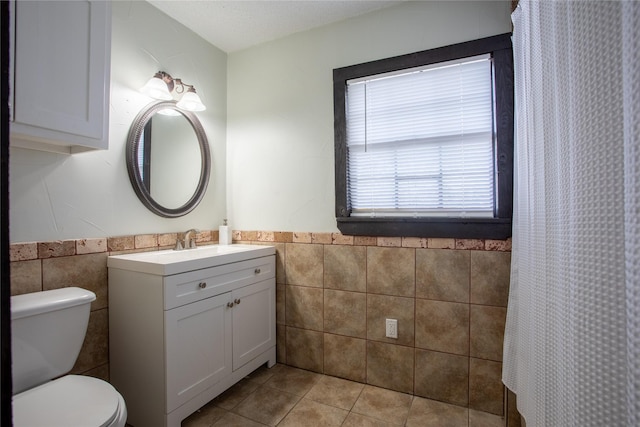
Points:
(178, 337)
(61, 63)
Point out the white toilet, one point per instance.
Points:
(48, 330)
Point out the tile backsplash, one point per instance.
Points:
(334, 293)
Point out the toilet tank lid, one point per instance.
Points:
(56, 299)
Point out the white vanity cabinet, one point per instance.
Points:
(60, 71)
(178, 337)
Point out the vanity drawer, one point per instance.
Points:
(185, 288)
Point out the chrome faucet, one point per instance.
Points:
(189, 240)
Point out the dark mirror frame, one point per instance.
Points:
(133, 143)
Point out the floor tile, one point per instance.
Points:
(387, 405)
(484, 419)
(335, 392)
(262, 374)
(310, 413)
(233, 420)
(236, 394)
(431, 413)
(293, 380)
(204, 417)
(358, 420)
(266, 405)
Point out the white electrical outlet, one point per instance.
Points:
(392, 328)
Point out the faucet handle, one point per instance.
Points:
(179, 246)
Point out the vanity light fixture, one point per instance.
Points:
(162, 84)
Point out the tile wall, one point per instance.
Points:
(334, 293)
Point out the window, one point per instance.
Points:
(419, 149)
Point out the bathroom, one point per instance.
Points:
(269, 124)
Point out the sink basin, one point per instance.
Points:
(169, 262)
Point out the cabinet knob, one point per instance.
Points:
(202, 285)
(229, 304)
(237, 301)
(257, 271)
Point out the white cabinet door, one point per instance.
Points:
(254, 325)
(198, 346)
(61, 74)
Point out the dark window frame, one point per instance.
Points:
(499, 227)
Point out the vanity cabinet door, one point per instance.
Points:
(254, 325)
(198, 347)
(61, 75)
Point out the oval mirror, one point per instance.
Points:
(168, 159)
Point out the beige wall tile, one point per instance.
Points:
(442, 274)
(345, 357)
(391, 271)
(345, 313)
(467, 244)
(91, 246)
(497, 245)
(283, 236)
(281, 276)
(304, 307)
(95, 349)
(439, 243)
(442, 376)
(281, 307)
(345, 268)
(442, 326)
(394, 242)
(299, 237)
(365, 241)
(322, 238)
(487, 331)
(26, 277)
(341, 239)
(121, 243)
(485, 386)
(490, 275)
(249, 236)
(23, 251)
(304, 264)
(58, 248)
(266, 236)
(379, 373)
(84, 271)
(305, 349)
(147, 241)
(382, 307)
(281, 343)
(167, 240)
(414, 242)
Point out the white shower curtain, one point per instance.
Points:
(572, 338)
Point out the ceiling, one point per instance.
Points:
(239, 24)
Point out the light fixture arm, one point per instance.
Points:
(192, 101)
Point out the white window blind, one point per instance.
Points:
(420, 142)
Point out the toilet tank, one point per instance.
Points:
(47, 332)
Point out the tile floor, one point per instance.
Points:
(289, 397)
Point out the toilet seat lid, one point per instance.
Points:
(72, 400)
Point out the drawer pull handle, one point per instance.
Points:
(202, 285)
(237, 301)
(257, 271)
(229, 304)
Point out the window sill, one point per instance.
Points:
(458, 228)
